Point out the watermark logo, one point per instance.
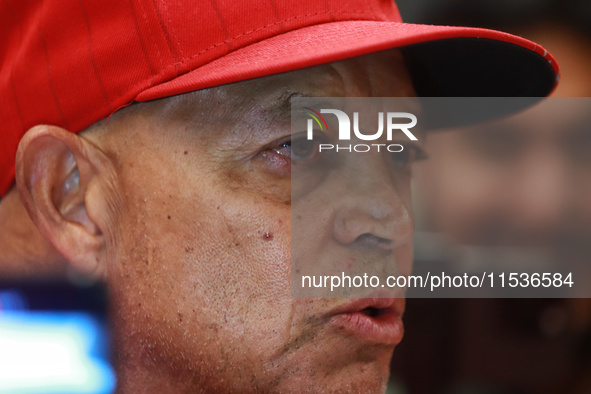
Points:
(318, 118)
(394, 122)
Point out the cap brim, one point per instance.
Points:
(445, 61)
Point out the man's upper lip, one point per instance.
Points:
(392, 305)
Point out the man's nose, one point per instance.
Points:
(372, 211)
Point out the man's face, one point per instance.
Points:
(199, 258)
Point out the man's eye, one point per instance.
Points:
(304, 150)
(297, 148)
(410, 154)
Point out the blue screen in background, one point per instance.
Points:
(53, 352)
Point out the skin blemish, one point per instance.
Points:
(268, 236)
(186, 152)
(168, 216)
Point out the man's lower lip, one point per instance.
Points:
(386, 328)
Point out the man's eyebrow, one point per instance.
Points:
(267, 116)
(273, 112)
(282, 103)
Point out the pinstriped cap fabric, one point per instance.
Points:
(73, 62)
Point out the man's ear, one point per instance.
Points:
(58, 174)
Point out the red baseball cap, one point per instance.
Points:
(73, 62)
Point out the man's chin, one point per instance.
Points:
(342, 367)
(357, 378)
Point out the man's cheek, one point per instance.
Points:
(259, 239)
(235, 242)
(242, 269)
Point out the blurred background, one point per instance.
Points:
(482, 192)
(511, 192)
(54, 337)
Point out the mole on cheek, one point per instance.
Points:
(268, 236)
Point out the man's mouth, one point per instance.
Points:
(373, 320)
